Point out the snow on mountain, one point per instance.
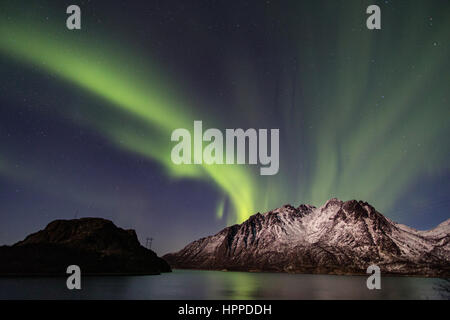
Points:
(337, 238)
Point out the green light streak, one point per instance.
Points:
(353, 143)
(371, 152)
(220, 209)
(129, 88)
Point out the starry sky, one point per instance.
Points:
(86, 115)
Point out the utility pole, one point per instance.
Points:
(148, 243)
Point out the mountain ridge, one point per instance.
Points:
(340, 237)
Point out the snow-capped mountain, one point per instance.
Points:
(337, 238)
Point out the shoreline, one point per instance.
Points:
(324, 274)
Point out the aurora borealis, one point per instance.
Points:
(86, 115)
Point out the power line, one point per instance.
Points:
(148, 242)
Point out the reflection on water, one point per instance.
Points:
(190, 284)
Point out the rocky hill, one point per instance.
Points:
(94, 244)
(337, 238)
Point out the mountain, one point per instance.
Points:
(96, 245)
(337, 238)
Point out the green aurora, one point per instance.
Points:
(140, 98)
(366, 129)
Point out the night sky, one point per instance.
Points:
(86, 115)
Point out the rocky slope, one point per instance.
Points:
(337, 238)
(94, 244)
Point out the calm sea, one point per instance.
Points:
(190, 284)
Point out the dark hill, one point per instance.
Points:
(94, 244)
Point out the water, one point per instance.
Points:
(190, 284)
